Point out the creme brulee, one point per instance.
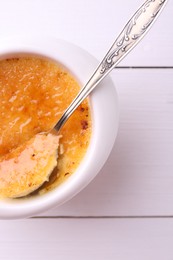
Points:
(34, 94)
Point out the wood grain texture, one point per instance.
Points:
(87, 239)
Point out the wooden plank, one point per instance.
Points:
(93, 25)
(138, 176)
(65, 239)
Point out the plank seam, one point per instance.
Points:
(103, 217)
(143, 67)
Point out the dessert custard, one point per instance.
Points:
(34, 94)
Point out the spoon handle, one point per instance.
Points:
(132, 33)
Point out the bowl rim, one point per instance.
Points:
(105, 119)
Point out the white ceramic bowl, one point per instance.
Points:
(104, 107)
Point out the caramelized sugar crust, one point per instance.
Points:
(34, 94)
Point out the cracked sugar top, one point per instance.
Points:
(34, 94)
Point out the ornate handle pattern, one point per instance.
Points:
(132, 33)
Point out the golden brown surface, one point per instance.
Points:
(34, 94)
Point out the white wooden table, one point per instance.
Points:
(126, 213)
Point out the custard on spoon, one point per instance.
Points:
(27, 167)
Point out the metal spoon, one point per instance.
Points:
(132, 33)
